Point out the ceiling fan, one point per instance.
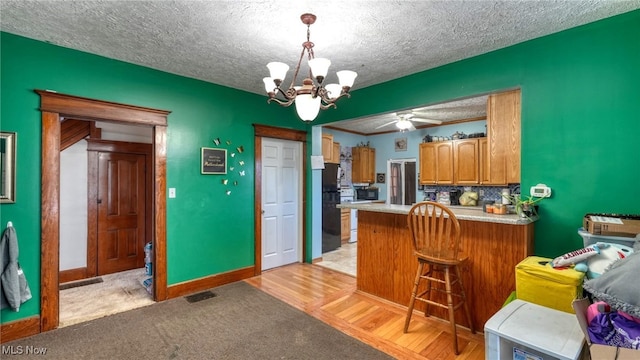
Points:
(405, 121)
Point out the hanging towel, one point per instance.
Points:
(15, 289)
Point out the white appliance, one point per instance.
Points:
(523, 330)
(346, 195)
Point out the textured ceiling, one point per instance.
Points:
(230, 42)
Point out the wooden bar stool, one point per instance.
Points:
(435, 234)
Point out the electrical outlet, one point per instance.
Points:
(481, 192)
(172, 193)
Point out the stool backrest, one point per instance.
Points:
(435, 231)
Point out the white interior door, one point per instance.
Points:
(281, 221)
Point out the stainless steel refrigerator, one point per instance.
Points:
(330, 214)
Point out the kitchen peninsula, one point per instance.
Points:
(386, 265)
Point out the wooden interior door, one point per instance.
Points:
(121, 211)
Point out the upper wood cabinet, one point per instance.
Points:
(335, 154)
(436, 162)
(483, 145)
(503, 136)
(466, 161)
(327, 147)
(330, 149)
(363, 164)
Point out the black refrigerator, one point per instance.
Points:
(330, 214)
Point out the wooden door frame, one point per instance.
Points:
(261, 131)
(54, 107)
(94, 148)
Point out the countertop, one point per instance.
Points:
(470, 213)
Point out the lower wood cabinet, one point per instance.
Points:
(345, 225)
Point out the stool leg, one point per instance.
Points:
(413, 296)
(427, 294)
(452, 318)
(464, 299)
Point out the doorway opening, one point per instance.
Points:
(54, 108)
(105, 219)
(402, 181)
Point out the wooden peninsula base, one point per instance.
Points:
(386, 264)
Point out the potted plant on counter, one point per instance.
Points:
(525, 206)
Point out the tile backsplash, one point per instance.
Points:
(485, 192)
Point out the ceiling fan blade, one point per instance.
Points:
(411, 128)
(387, 124)
(428, 121)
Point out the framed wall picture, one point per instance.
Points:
(7, 167)
(401, 144)
(213, 161)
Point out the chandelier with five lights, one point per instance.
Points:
(312, 95)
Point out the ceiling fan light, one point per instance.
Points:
(319, 67)
(334, 90)
(404, 124)
(307, 106)
(346, 77)
(277, 70)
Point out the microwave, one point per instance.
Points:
(367, 194)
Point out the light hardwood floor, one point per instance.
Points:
(331, 296)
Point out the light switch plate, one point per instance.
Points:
(172, 193)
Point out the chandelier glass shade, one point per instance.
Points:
(313, 95)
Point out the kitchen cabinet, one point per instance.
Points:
(327, 147)
(466, 162)
(436, 163)
(503, 136)
(363, 164)
(345, 225)
(330, 149)
(335, 153)
(483, 145)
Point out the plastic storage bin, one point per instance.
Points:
(539, 283)
(590, 239)
(523, 330)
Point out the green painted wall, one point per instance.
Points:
(580, 121)
(208, 232)
(580, 117)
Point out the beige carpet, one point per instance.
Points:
(117, 293)
(239, 322)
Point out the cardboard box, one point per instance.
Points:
(597, 351)
(611, 225)
(539, 283)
